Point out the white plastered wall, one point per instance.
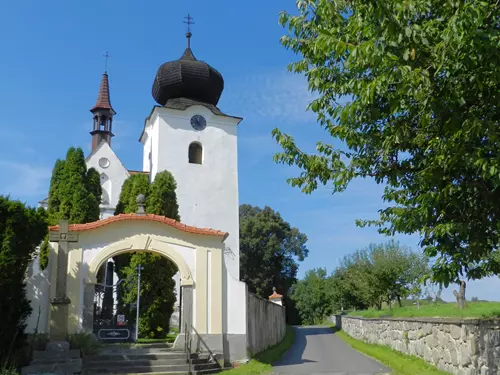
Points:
(208, 193)
(113, 175)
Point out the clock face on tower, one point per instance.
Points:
(198, 122)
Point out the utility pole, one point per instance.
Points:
(139, 269)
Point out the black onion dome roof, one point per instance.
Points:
(187, 78)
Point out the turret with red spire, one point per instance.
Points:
(103, 115)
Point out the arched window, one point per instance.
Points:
(195, 153)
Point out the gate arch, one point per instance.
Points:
(140, 243)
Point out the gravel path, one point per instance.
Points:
(317, 350)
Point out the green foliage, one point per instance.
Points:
(8, 370)
(269, 250)
(157, 295)
(162, 198)
(74, 194)
(312, 296)
(131, 188)
(380, 273)
(21, 230)
(86, 342)
(38, 341)
(411, 90)
(367, 278)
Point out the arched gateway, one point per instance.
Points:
(79, 250)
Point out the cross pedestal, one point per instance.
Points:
(59, 303)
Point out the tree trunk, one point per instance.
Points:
(460, 295)
(399, 301)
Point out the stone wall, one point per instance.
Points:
(266, 324)
(461, 347)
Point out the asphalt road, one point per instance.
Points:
(317, 350)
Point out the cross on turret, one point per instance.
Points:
(189, 22)
(106, 56)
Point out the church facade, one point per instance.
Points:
(189, 136)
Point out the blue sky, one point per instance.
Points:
(50, 71)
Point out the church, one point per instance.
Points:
(186, 134)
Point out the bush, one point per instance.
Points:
(38, 341)
(8, 370)
(86, 342)
(22, 228)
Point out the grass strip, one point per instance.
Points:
(401, 364)
(261, 363)
(169, 339)
(482, 310)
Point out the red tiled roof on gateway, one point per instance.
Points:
(149, 217)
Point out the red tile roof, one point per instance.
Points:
(131, 172)
(275, 295)
(149, 217)
(103, 100)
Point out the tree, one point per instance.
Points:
(377, 274)
(74, 194)
(21, 230)
(269, 250)
(312, 297)
(162, 198)
(412, 91)
(157, 294)
(131, 188)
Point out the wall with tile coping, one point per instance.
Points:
(458, 346)
(266, 322)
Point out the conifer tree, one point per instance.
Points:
(74, 194)
(158, 297)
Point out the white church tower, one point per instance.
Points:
(190, 137)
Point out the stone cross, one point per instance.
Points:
(58, 320)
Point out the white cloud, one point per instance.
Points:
(23, 181)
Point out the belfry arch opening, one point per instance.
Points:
(195, 153)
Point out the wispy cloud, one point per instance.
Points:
(279, 96)
(23, 180)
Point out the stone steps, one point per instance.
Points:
(135, 369)
(149, 360)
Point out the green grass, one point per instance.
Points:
(401, 364)
(448, 310)
(261, 363)
(169, 339)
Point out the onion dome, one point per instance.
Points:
(187, 78)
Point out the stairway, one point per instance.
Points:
(152, 359)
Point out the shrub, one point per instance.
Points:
(86, 342)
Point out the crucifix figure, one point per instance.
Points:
(59, 313)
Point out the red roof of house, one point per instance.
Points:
(149, 217)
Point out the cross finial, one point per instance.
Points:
(106, 56)
(189, 22)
